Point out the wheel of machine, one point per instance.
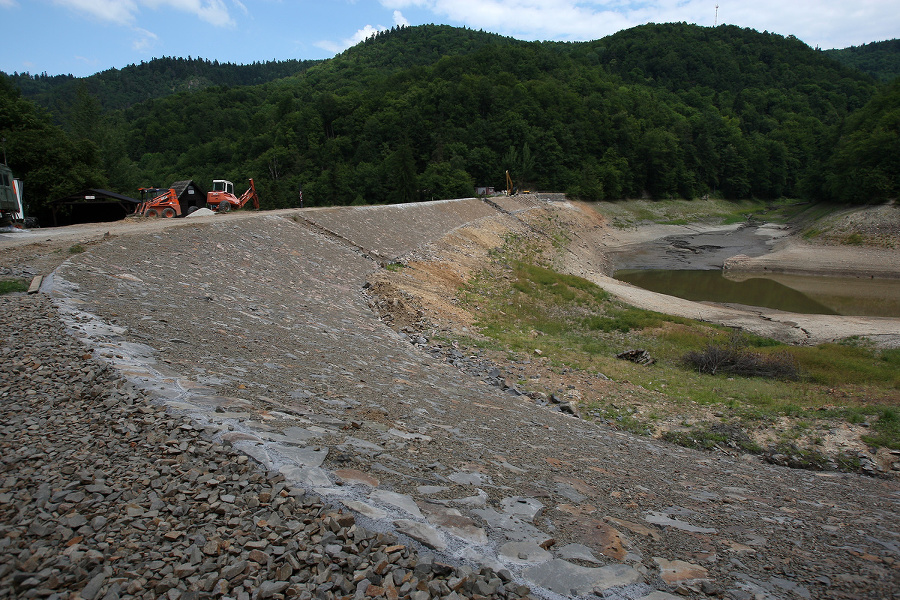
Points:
(168, 212)
(224, 206)
(193, 209)
(152, 213)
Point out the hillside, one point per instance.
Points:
(418, 113)
(881, 60)
(121, 88)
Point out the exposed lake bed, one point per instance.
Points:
(772, 251)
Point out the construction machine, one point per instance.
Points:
(11, 207)
(510, 190)
(157, 202)
(222, 199)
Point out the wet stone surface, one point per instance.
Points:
(236, 422)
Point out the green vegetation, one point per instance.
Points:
(881, 60)
(8, 286)
(522, 304)
(416, 113)
(710, 435)
(76, 249)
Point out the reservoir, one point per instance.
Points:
(847, 296)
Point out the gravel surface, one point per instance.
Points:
(104, 494)
(236, 421)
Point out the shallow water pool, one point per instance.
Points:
(792, 293)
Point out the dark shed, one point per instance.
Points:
(92, 206)
(189, 195)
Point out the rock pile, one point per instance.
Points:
(105, 496)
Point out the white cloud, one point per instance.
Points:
(829, 23)
(145, 40)
(126, 12)
(8, 3)
(120, 12)
(399, 19)
(360, 35)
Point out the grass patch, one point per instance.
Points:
(841, 365)
(627, 319)
(521, 304)
(711, 435)
(394, 267)
(886, 430)
(76, 249)
(9, 286)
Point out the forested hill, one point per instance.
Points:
(879, 59)
(430, 112)
(120, 88)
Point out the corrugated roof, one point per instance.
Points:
(106, 194)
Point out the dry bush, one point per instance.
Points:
(736, 358)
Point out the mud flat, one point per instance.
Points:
(741, 250)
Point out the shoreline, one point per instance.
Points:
(787, 255)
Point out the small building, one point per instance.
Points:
(189, 195)
(91, 206)
(484, 191)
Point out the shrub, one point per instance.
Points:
(735, 358)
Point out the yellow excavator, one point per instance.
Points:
(510, 190)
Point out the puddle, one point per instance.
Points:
(792, 293)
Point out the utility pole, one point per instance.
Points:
(716, 22)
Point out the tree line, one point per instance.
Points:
(418, 113)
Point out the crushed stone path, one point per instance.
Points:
(259, 336)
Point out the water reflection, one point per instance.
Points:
(792, 293)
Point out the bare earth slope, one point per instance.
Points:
(258, 327)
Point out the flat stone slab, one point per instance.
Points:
(511, 527)
(664, 520)
(367, 510)
(677, 571)
(353, 476)
(308, 456)
(524, 553)
(577, 552)
(524, 508)
(401, 501)
(567, 579)
(352, 444)
(422, 532)
(298, 435)
(479, 500)
(467, 478)
(455, 523)
(238, 436)
(308, 476)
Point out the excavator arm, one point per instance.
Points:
(250, 194)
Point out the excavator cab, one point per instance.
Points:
(222, 199)
(220, 185)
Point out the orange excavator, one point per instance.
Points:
(222, 199)
(156, 204)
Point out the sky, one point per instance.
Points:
(83, 37)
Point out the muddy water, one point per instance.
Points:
(792, 293)
(689, 266)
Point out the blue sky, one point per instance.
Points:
(83, 37)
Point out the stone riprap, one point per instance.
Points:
(105, 495)
(258, 341)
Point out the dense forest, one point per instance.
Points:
(426, 112)
(881, 60)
